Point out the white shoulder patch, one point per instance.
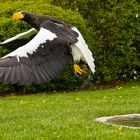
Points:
(84, 51)
(42, 36)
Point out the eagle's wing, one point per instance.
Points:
(24, 35)
(41, 59)
(81, 46)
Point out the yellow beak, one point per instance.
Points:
(17, 16)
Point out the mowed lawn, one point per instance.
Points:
(69, 115)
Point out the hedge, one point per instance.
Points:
(9, 28)
(115, 28)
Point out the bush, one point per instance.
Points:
(9, 28)
(115, 32)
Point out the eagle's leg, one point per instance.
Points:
(78, 70)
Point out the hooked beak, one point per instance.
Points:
(17, 16)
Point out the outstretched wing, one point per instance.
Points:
(41, 59)
(24, 35)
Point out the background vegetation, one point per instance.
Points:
(111, 29)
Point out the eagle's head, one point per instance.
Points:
(32, 19)
(36, 20)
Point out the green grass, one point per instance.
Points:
(69, 116)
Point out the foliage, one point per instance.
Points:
(69, 116)
(115, 32)
(9, 28)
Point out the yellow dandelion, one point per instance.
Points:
(21, 102)
(88, 105)
(120, 129)
(106, 98)
(43, 101)
(77, 99)
(119, 88)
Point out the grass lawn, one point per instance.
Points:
(69, 116)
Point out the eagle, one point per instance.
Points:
(54, 45)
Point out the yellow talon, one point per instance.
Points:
(78, 70)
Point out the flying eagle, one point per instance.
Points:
(41, 59)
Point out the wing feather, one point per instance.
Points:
(20, 36)
(87, 54)
(2, 73)
(7, 75)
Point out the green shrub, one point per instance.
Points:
(115, 32)
(9, 28)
